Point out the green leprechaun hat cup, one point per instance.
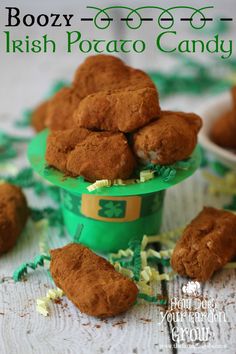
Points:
(107, 218)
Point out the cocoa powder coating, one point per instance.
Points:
(93, 155)
(123, 111)
(170, 138)
(110, 114)
(13, 215)
(223, 131)
(207, 244)
(91, 282)
(39, 117)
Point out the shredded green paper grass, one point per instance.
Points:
(23, 269)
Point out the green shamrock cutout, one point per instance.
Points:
(112, 209)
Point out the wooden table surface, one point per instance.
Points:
(141, 330)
